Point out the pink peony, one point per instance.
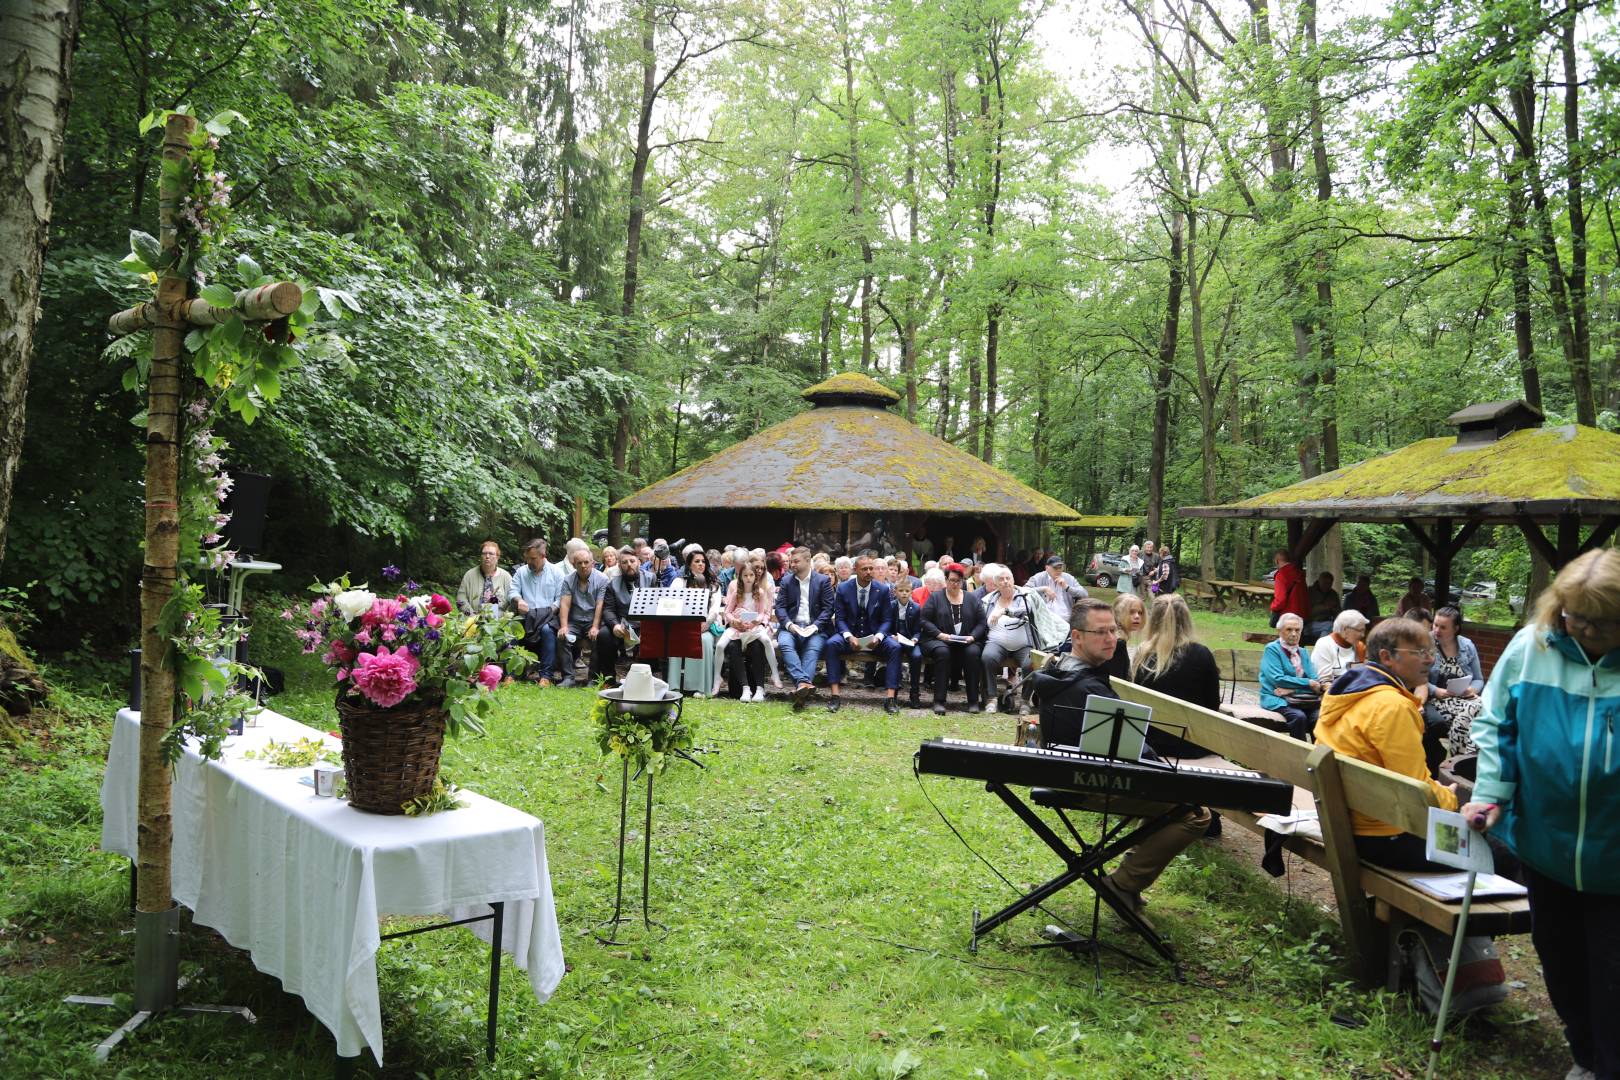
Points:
(382, 613)
(386, 678)
(435, 621)
(489, 676)
(439, 605)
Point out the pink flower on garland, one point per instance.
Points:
(386, 678)
(382, 613)
(489, 676)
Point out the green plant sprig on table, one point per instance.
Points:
(299, 755)
(442, 797)
(645, 743)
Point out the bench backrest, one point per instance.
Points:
(1369, 789)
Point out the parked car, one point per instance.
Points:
(1456, 597)
(1105, 569)
(1480, 590)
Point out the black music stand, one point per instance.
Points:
(1087, 859)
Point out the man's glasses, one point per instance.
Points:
(1111, 630)
(1597, 626)
(1427, 654)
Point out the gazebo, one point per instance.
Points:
(1087, 534)
(846, 475)
(1502, 468)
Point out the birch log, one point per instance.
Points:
(263, 304)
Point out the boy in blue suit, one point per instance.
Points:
(864, 619)
(804, 612)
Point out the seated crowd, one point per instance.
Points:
(779, 614)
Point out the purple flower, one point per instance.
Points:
(433, 635)
(416, 648)
(391, 572)
(411, 586)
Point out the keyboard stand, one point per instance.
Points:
(1083, 864)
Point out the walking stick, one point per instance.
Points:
(1451, 972)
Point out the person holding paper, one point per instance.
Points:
(907, 631)
(1371, 714)
(1548, 784)
(953, 633)
(804, 613)
(747, 615)
(863, 615)
(1455, 683)
(577, 612)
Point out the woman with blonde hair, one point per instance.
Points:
(1549, 786)
(1171, 661)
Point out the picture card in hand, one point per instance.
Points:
(1452, 843)
(1459, 685)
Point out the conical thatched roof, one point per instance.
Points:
(848, 452)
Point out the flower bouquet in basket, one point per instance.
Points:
(406, 669)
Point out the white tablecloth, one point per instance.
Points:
(300, 881)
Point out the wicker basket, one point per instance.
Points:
(390, 756)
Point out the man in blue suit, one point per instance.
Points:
(864, 621)
(804, 612)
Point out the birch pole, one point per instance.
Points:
(155, 831)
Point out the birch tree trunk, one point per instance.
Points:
(36, 50)
(155, 829)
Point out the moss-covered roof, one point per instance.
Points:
(1540, 472)
(1100, 521)
(850, 388)
(846, 457)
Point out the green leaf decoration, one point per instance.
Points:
(248, 270)
(219, 296)
(135, 265)
(146, 247)
(195, 341)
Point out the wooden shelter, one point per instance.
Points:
(846, 475)
(1502, 468)
(1087, 534)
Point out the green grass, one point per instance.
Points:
(818, 912)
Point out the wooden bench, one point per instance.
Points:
(1374, 903)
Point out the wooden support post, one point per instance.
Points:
(1303, 537)
(1338, 838)
(1442, 563)
(1569, 539)
(1600, 534)
(1538, 540)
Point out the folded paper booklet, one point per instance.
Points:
(1459, 685)
(1452, 886)
(805, 631)
(868, 642)
(907, 642)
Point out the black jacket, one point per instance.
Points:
(936, 617)
(1193, 676)
(1061, 690)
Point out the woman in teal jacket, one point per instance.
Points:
(1549, 784)
(1288, 683)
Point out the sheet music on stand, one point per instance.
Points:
(670, 603)
(1115, 728)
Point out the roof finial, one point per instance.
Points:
(850, 388)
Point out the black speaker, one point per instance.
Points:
(247, 503)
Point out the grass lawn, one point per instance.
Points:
(818, 912)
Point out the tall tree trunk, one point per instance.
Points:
(36, 51)
(1163, 371)
(1525, 156)
(1574, 180)
(1519, 271)
(1235, 433)
(992, 335)
(975, 399)
(1207, 397)
(825, 336)
(857, 185)
(628, 339)
(1329, 553)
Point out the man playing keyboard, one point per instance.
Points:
(1061, 689)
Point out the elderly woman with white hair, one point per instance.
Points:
(1288, 682)
(1345, 645)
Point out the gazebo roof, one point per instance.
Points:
(1111, 522)
(848, 452)
(1539, 473)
